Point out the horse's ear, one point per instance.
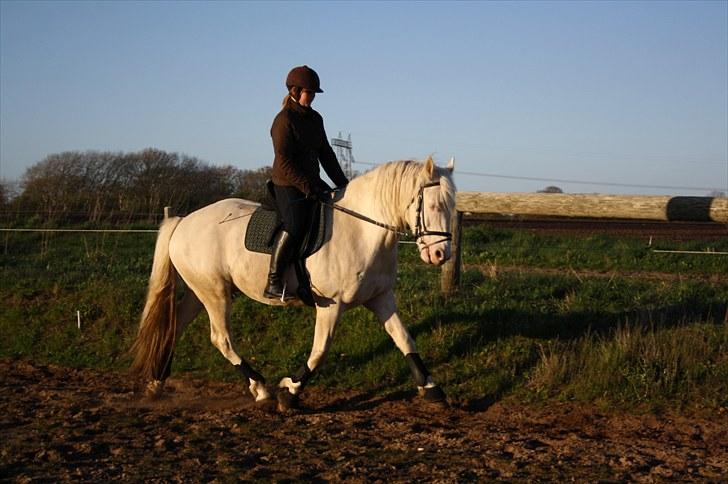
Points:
(429, 166)
(451, 164)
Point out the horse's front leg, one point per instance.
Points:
(291, 387)
(385, 308)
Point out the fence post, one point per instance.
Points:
(450, 278)
(167, 212)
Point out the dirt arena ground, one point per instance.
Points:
(61, 424)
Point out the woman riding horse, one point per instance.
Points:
(299, 143)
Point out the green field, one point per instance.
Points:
(594, 319)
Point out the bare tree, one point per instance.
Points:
(52, 186)
(4, 195)
(551, 189)
(250, 184)
(98, 186)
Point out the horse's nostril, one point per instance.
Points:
(438, 254)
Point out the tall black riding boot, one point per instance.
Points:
(282, 252)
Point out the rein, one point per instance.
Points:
(363, 217)
(420, 228)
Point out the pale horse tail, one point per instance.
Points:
(152, 349)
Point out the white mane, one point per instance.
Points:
(396, 184)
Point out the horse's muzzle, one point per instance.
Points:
(436, 254)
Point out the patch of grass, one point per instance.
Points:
(675, 367)
(561, 334)
(484, 245)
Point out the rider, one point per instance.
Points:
(299, 143)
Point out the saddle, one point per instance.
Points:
(264, 225)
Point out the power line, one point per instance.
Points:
(560, 180)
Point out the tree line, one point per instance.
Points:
(123, 187)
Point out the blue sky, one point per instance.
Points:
(612, 92)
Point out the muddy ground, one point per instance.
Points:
(61, 424)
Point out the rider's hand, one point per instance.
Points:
(318, 193)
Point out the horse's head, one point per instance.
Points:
(429, 214)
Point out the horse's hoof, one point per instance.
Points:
(434, 395)
(154, 389)
(259, 391)
(287, 401)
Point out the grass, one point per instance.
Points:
(505, 247)
(660, 369)
(553, 328)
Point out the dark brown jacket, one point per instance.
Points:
(299, 143)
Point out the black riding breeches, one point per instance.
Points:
(295, 210)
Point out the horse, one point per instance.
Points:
(356, 266)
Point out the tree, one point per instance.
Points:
(250, 184)
(551, 189)
(4, 196)
(54, 185)
(105, 186)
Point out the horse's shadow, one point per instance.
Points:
(488, 326)
(364, 401)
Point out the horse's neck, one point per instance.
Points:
(380, 199)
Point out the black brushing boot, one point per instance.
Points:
(279, 259)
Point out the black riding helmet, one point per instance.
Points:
(305, 78)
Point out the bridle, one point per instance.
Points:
(420, 226)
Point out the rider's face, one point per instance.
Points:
(306, 97)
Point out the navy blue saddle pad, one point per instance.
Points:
(264, 225)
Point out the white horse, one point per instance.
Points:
(356, 266)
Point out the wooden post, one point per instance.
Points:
(167, 212)
(450, 278)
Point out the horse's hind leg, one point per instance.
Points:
(218, 309)
(385, 308)
(187, 310)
